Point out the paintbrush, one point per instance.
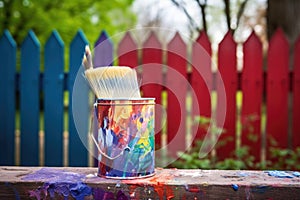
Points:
(118, 82)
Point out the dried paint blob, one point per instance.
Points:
(279, 174)
(235, 187)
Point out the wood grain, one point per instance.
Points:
(15, 183)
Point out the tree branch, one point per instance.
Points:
(202, 6)
(240, 13)
(191, 20)
(227, 14)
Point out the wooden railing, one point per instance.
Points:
(83, 183)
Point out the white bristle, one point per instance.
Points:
(113, 82)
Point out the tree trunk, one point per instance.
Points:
(286, 15)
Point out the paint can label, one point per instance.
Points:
(125, 133)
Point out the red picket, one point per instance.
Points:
(277, 90)
(176, 82)
(153, 80)
(201, 82)
(252, 87)
(127, 52)
(296, 95)
(227, 68)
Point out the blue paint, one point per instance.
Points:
(59, 182)
(296, 174)
(279, 174)
(53, 175)
(77, 190)
(243, 174)
(235, 187)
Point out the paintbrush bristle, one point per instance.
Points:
(113, 82)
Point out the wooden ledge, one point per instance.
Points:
(82, 183)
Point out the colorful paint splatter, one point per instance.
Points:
(126, 137)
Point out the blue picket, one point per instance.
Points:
(78, 104)
(8, 50)
(53, 100)
(103, 51)
(29, 100)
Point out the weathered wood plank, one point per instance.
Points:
(21, 182)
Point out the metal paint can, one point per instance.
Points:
(125, 137)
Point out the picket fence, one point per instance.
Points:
(264, 93)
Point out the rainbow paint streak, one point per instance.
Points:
(126, 137)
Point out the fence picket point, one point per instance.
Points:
(252, 88)
(227, 65)
(153, 77)
(29, 100)
(201, 82)
(8, 52)
(53, 100)
(277, 90)
(176, 95)
(78, 103)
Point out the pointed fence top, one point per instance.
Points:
(103, 51)
(177, 39)
(152, 41)
(79, 38)
(227, 40)
(278, 39)
(126, 45)
(31, 39)
(7, 38)
(55, 39)
(103, 37)
(204, 41)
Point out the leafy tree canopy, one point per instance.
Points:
(65, 16)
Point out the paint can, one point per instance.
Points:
(125, 137)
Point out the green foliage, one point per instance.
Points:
(279, 159)
(284, 158)
(67, 17)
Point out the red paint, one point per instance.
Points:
(169, 192)
(277, 90)
(296, 95)
(252, 87)
(193, 189)
(152, 73)
(176, 109)
(158, 182)
(201, 81)
(227, 67)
